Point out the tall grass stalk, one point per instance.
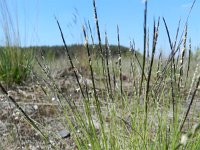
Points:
(70, 59)
(182, 58)
(107, 53)
(155, 37)
(159, 65)
(173, 69)
(99, 112)
(189, 61)
(174, 47)
(144, 51)
(132, 62)
(120, 66)
(99, 39)
(132, 45)
(91, 33)
(148, 52)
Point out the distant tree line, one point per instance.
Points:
(78, 49)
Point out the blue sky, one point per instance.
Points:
(37, 25)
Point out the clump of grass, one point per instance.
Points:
(113, 117)
(15, 64)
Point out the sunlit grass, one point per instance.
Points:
(118, 101)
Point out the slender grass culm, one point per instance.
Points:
(189, 61)
(120, 66)
(155, 37)
(143, 67)
(31, 121)
(97, 102)
(108, 55)
(100, 50)
(144, 45)
(182, 59)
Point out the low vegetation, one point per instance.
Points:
(15, 64)
(107, 97)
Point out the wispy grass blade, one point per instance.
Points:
(120, 65)
(70, 59)
(33, 124)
